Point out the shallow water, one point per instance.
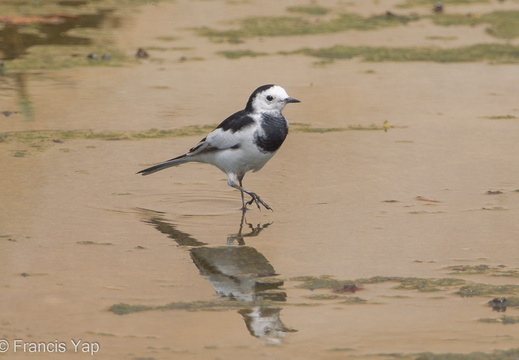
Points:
(51, 30)
(82, 233)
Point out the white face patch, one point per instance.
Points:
(272, 99)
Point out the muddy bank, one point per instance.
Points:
(82, 233)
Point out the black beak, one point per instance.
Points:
(291, 100)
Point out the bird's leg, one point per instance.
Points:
(244, 206)
(255, 198)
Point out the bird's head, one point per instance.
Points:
(269, 98)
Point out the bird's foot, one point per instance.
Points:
(256, 199)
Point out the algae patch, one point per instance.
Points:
(510, 301)
(474, 289)
(320, 282)
(499, 117)
(89, 242)
(305, 127)
(497, 53)
(324, 297)
(353, 301)
(236, 54)
(41, 139)
(511, 354)
(491, 53)
(123, 309)
(309, 9)
(413, 3)
(501, 24)
(506, 320)
(404, 283)
(464, 288)
(63, 57)
(484, 269)
(429, 285)
(261, 26)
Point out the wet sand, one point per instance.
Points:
(345, 202)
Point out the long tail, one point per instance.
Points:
(166, 164)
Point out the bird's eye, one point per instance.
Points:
(270, 97)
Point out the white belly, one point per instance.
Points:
(238, 161)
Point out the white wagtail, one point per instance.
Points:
(244, 141)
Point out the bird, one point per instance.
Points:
(244, 141)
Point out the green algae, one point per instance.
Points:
(413, 3)
(502, 24)
(498, 53)
(236, 54)
(124, 309)
(474, 289)
(263, 26)
(502, 271)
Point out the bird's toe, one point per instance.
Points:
(256, 199)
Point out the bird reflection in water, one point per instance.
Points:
(237, 272)
(238, 238)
